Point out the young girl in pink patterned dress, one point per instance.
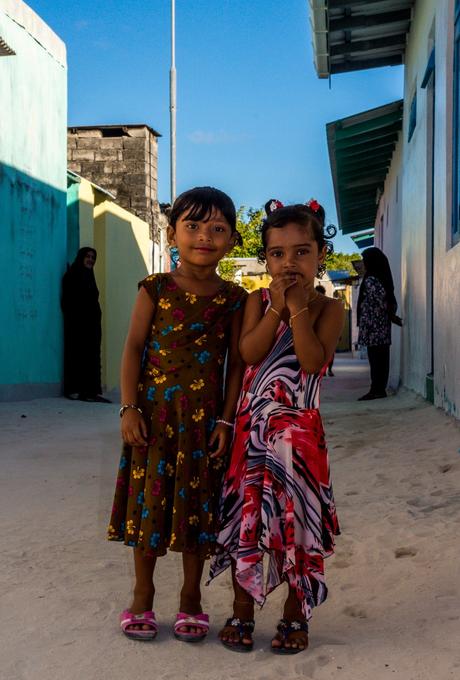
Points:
(277, 495)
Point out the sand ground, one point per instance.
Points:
(393, 608)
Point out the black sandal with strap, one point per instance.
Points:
(285, 628)
(245, 629)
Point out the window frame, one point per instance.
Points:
(455, 226)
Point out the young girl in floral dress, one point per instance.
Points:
(277, 497)
(175, 417)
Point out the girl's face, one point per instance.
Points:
(292, 249)
(202, 242)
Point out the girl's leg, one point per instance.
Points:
(190, 595)
(292, 612)
(143, 589)
(243, 609)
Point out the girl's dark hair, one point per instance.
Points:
(199, 203)
(301, 214)
(377, 265)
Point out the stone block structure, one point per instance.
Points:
(122, 159)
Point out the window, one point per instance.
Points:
(456, 132)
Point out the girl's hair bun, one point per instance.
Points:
(272, 205)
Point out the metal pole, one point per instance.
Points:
(172, 102)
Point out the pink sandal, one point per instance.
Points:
(200, 621)
(127, 619)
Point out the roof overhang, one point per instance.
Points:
(351, 35)
(364, 239)
(5, 49)
(360, 152)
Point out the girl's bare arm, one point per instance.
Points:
(132, 425)
(315, 344)
(233, 380)
(258, 330)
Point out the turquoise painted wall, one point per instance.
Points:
(33, 238)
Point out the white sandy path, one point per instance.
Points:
(393, 609)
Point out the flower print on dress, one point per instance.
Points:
(178, 315)
(169, 469)
(140, 498)
(198, 453)
(209, 313)
(154, 540)
(201, 340)
(191, 297)
(180, 457)
(203, 356)
(151, 393)
(198, 415)
(145, 513)
(162, 414)
(169, 431)
(197, 384)
(194, 520)
(156, 488)
(161, 467)
(123, 462)
(220, 300)
(138, 473)
(130, 528)
(197, 327)
(182, 493)
(164, 303)
(169, 392)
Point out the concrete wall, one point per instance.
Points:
(424, 285)
(124, 257)
(388, 238)
(33, 240)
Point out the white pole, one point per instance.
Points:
(172, 102)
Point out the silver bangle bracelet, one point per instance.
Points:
(224, 422)
(125, 407)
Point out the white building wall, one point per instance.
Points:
(447, 258)
(388, 239)
(432, 24)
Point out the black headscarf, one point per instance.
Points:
(377, 265)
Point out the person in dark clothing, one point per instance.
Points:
(82, 329)
(376, 310)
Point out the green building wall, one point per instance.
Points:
(33, 235)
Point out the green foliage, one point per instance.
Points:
(342, 261)
(227, 269)
(248, 224)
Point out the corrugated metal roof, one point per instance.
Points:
(360, 152)
(350, 35)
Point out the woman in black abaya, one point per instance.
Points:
(82, 329)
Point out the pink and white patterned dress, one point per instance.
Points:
(277, 496)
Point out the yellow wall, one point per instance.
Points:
(86, 212)
(124, 258)
(255, 281)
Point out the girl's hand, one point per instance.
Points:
(278, 288)
(133, 428)
(219, 440)
(298, 296)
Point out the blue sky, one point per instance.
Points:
(251, 113)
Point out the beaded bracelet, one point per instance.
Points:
(224, 422)
(125, 407)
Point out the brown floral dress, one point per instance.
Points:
(167, 493)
